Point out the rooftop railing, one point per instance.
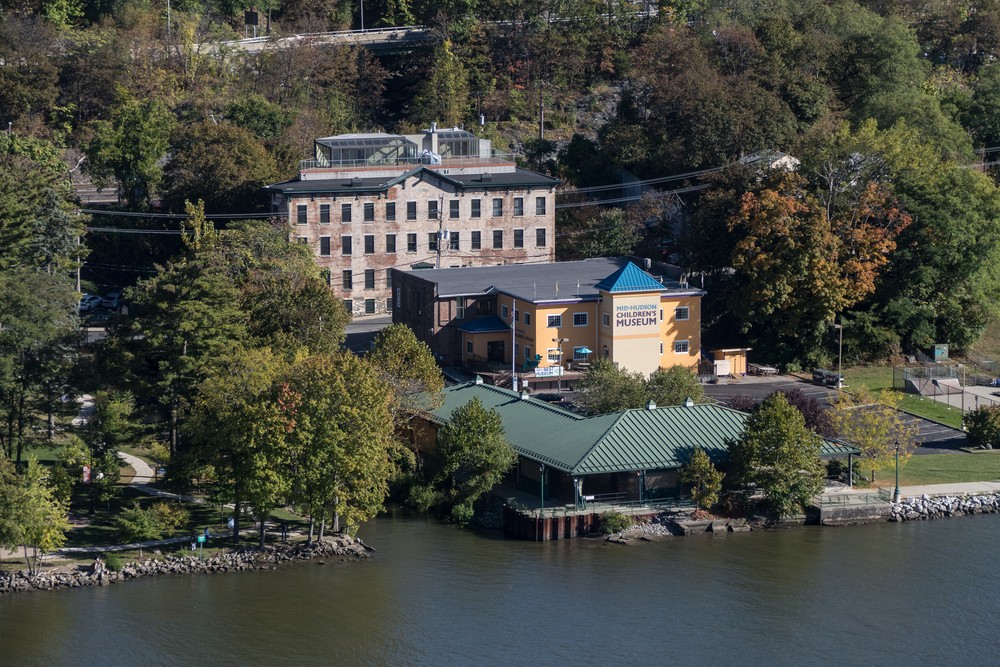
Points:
(407, 162)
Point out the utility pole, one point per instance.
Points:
(168, 19)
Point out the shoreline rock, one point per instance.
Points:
(341, 547)
(925, 507)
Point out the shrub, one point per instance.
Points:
(462, 513)
(423, 497)
(614, 522)
(113, 562)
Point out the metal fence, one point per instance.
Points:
(876, 497)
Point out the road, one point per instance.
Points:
(934, 438)
(382, 37)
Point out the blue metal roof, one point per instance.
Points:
(630, 278)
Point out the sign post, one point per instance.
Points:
(201, 543)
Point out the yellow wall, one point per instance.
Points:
(673, 330)
(633, 339)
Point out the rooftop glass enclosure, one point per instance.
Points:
(362, 149)
(457, 143)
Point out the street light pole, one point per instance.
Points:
(895, 495)
(840, 356)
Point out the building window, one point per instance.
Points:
(580, 319)
(345, 245)
(369, 244)
(324, 214)
(606, 319)
(518, 206)
(345, 212)
(388, 305)
(540, 238)
(411, 243)
(527, 318)
(369, 306)
(681, 347)
(432, 209)
(539, 205)
(390, 243)
(303, 240)
(460, 307)
(301, 214)
(390, 211)
(369, 211)
(326, 276)
(432, 241)
(324, 246)
(497, 207)
(468, 346)
(682, 313)
(369, 278)
(477, 240)
(453, 209)
(477, 208)
(518, 238)
(527, 353)
(347, 278)
(579, 354)
(555, 321)
(411, 210)
(453, 240)
(388, 278)
(349, 305)
(554, 355)
(497, 239)
(504, 312)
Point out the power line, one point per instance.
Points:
(183, 216)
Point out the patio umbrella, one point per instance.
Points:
(584, 350)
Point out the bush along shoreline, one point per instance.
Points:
(925, 507)
(341, 547)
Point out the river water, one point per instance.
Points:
(921, 593)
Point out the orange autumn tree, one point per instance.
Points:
(796, 267)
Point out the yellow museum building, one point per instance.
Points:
(544, 320)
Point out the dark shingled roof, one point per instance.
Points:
(554, 281)
(476, 181)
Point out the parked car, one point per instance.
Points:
(558, 399)
(112, 299)
(89, 302)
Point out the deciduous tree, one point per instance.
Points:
(779, 456)
(705, 480)
(473, 456)
(607, 388)
(673, 386)
(340, 442)
(873, 424)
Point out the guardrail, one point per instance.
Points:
(868, 498)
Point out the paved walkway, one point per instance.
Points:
(957, 489)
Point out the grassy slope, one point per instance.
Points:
(878, 378)
(944, 469)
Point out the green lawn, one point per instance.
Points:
(944, 469)
(875, 378)
(931, 409)
(878, 378)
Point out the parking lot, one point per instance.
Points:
(934, 438)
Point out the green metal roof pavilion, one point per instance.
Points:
(640, 439)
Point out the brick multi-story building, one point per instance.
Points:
(370, 203)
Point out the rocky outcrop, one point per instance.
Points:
(925, 507)
(341, 548)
